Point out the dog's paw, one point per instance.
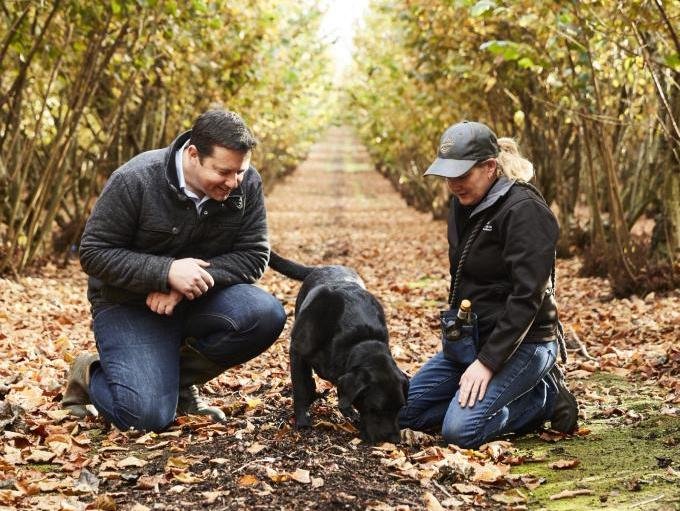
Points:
(350, 413)
(303, 420)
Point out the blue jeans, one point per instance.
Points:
(516, 397)
(136, 382)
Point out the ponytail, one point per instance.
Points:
(511, 163)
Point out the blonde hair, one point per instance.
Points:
(511, 163)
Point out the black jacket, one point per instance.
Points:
(507, 273)
(141, 222)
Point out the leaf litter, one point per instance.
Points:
(256, 458)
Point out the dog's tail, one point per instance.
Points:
(289, 268)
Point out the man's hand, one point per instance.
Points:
(163, 303)
(189, 278)
(473, 384)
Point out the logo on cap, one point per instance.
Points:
(446, 144)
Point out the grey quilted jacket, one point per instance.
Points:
(141, 222)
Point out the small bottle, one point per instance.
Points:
(454, 329)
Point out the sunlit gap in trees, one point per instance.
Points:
(339, 24)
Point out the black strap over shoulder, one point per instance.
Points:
(463, 255)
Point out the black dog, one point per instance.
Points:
(340, 332)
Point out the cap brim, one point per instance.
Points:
(449, 168)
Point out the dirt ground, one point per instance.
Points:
(336, 209)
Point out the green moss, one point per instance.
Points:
(46, 467)
(622, 459)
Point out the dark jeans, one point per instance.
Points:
(136, 383)
(517, 396)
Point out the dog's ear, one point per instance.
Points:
(316, 320)
(350, 385)
(404, 385)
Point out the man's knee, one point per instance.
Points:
(271, 319)
(145, 414)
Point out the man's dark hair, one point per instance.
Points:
(222, 128)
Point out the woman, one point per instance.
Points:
(507, 236)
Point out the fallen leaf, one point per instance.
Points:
(248, 480)
(187, 478)
(151, 482)
(489, 472)
(58, 415)
(532, 482)
(38, 456)
(551, 436)
(344, 426)
(468, 488)
(8, 497)
(567, 494)
(256, 448)
(105, 502)
(131, 461)
(149, 437)
(177, 463)
(277, 477)
(431, 502)
(564, 464)
(509, 497)
(87, 482)
(300, 475)
(317, 482)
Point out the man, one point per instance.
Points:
(172, 249)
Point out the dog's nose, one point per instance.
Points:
(395, 438)
(392, 437)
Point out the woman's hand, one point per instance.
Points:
(473, 384)
(163, 303)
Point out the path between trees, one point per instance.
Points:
(335, 210)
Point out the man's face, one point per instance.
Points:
(218, 174)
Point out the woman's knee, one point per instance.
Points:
(460, 433)
(469, 428)
(408, 418)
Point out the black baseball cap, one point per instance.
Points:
(462, 146)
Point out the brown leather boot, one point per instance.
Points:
(76, 395)
(194, 370)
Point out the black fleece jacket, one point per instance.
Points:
(141, 222)
(507, 273)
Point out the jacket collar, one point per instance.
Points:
(170, 167)
(497, 191)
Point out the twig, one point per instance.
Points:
(251, 462)
(648, 501)
(442, 489)
(575, 343)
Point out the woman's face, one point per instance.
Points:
(473, 185)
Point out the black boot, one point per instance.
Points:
(76, 395)
(565, 411)
(194, 370)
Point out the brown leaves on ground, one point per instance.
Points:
(257, 459)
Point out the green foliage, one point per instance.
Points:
(86, 85)
(591, 90)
